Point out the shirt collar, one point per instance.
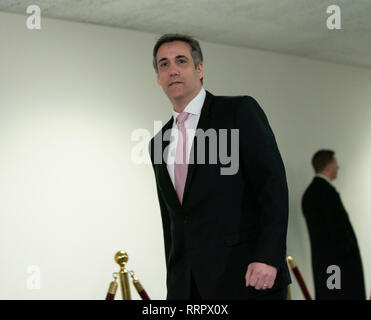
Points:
(195, 106)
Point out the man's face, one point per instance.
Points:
(333, 168)
(177, 74)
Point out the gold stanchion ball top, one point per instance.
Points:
(121, 258)
(291, 261)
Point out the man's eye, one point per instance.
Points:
(163, 64)
(182, 61)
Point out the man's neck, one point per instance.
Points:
(180, 105)
(325, 176)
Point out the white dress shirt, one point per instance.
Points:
(194, 110)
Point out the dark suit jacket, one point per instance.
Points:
(333, 242)
(225, 221)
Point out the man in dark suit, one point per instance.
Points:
(333, 242)
(224, 227)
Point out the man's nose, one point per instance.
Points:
(173, 70)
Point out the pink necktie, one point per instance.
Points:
(180, 165)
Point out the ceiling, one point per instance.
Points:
(295, 27)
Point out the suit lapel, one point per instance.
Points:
(164, 177)
(203, 124)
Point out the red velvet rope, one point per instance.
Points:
(301, 282)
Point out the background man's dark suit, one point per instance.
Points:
(226, 221)
(333, 242)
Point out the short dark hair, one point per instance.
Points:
(321, 159)
(196, 51)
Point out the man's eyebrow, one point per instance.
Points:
(162, 59)
(181, 56)
(177, 57)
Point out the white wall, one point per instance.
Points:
(70, 196)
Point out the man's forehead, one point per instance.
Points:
(174, 49)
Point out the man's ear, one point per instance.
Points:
(158, 77)
(200, 70)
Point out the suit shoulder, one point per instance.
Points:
(158, 136)
(235, 100)
(168, 125)
(243, 105)
(316, 185)
(318, 190)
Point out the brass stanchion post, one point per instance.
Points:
(121, 259)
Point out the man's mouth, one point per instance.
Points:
(175, 82)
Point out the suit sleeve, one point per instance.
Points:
(264, 172)
(165, 226)
(164, 212)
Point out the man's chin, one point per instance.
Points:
(175, 94)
